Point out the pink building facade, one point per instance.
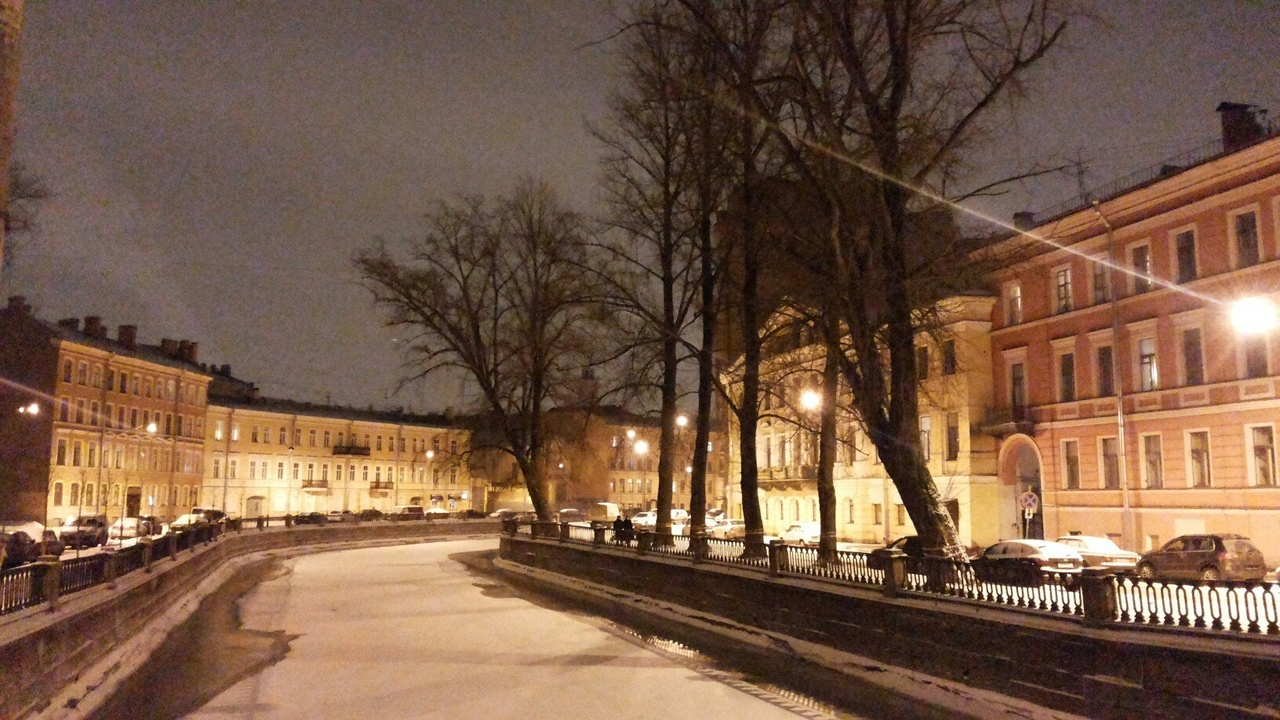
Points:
(1126, 399)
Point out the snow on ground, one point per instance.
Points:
(405, 632)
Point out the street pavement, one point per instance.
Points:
(406, 632)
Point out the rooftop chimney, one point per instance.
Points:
(1240, 125)
(1024, 220)
(169, 347)
(70, 323)
(18, 304)
(187, 350)
(93, 326)
(128, 336)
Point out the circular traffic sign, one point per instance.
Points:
(1029, 500)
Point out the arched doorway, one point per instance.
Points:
(254, 506)
(1019, 473)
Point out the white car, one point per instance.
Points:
(729, 529)
(126, 528)
(803, 533)
(1101, 552)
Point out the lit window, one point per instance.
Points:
(1152, 461)
(1263, 442)
(1013, 305)
(1141, 257)
(1148, 373)
(1198, 460)
(1062, 290)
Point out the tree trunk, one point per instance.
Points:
(827, 447)
(10, 52)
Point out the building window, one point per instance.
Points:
(1255, 356)
(953, 436)
(1140, 257)
(83, 376)
(877, 514)
(1246, 233)
(948, 357)
(1152, 462)
(1071, 464)
(1062, 290)
(217, 430)
(296, 469)
(1110, 451)
(1184, 246)
(67, 366)
(1067, 377)
(1017, 386)
(453, 447)
(926, 433)
(1262, 439)
(1192, 357)
(326, 438)
(1198, 458)
(62, 453)
(922, 363)
(901, 511)
(1148, 373)
(1013, 304)
(235, 431)
(297, 437)
(1101, 281)
(231, 469)
(57, 493)
(217, 468)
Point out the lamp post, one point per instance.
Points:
(641, 449)
(1254, 315)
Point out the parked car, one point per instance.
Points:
(1026, 562)
(1204, 557)
(188, 521)
(436, 512)
(128, 528)
(371, 514)
(503, 513)
(803, 533)
(337, 516)
(648, 519)
(407, 512)
(19, 549)
(730, 529)
(311, 518)
(1101, 552)
(911, 545)
(81, 531)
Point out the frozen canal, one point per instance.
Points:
(406, 632)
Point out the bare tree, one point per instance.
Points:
(495, 290)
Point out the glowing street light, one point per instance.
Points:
(682, 420)
(810, 400)
(1254, 315)
(641, 447)
(32, 409)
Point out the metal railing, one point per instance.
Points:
(1096, 597)
(80, 573)
(22, 587)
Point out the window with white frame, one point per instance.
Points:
(1254, 348)
(1101, 277)
(1071, 464)
(1198, 464)
(1184, 256)
(1148, 371)
(926, 436)
(1062, 301)
(1012, 304)
(1244, 234)
(1152, 461)
(1262, 460)
(1140, 263)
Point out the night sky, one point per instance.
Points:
(215, 165)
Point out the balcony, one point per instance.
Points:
(350, 450)
(1003, 422)
(380, 488)
(315, 487)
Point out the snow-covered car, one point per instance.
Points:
(1026, 562)
(128, 528)
(729, 529)
(341, 516)
(188, 521)
(1101, 552)
(803, 533)
(83, 531)
(436, 512)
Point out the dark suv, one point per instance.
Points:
(1204, 557)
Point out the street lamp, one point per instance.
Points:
(682, 421)
(810, 400)
(31, 409)
(1254, 315)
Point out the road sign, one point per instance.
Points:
(1029, 501)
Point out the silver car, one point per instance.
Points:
(1101, 552)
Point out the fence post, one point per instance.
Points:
(564, 531)
(109, 570)
(510, 526)
(777, 557)
(261, 523)
(146, 544)
(173, 547)
(698, 544)
(1098, 593)
(894, 562)
(598, 535)
(52, 580)
(646, 542)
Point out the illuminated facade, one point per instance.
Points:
(107, 426)
(276, 457)
(1130, 402)
(955, 390)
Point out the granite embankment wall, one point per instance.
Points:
(1047, 659)
(46, 648)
